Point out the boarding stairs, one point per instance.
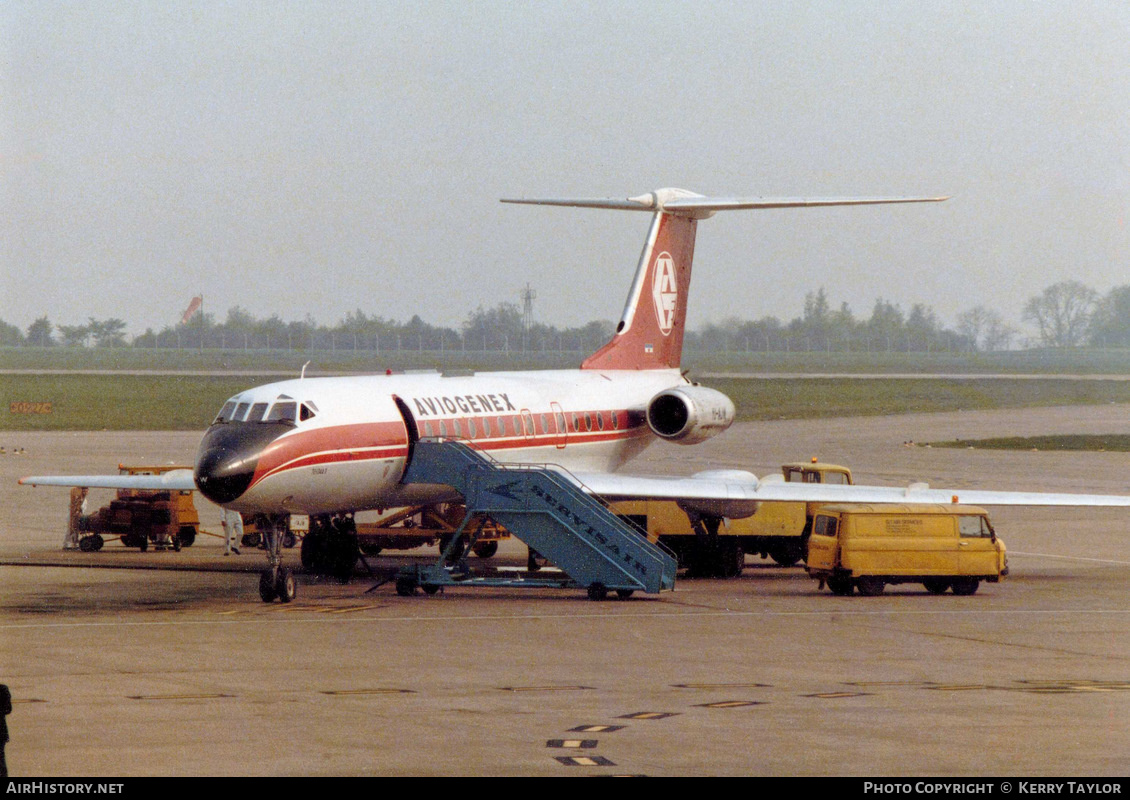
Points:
(549, 512)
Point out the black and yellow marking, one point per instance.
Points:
(835, 695)
(865, 684)
(585, 761)
(572, 744)
(650, 715)
(721, 686)
(732, 704)
(348, 692)
(597, 729)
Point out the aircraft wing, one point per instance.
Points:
(177, 480)
(735, 494)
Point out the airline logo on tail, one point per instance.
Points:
(664, 291)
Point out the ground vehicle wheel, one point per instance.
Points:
(371, 549)
(485, 549)
(143, 543)
(267, 589)
(251, 539)
(430, 588)
(405, 586)
(187, 535)
(965, 586)
(96, 542)
(86, 544)
(597, 591)
(624, 594)
(840, 586)
(870, 586)
(787, 554)
(285, 586)
(289, 539)
(936, 585)
(176, 543)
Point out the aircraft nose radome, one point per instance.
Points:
(228, 456)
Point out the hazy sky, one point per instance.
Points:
(315, 158)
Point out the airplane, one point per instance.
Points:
(332, 446)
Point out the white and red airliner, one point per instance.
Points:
(334, 446)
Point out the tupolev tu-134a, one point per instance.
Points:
(330, 447)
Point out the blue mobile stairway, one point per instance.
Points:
(596, 549)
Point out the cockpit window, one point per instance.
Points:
(226, 412)
(240, 412)
(257, 412)
(283, 411)
(308, 411)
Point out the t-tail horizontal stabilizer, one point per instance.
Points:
(650, 333)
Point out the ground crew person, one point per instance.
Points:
(78, 511)
(5, 710)
(232, 524)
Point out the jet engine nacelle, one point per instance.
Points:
(689, 414)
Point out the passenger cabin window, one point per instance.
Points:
(974, 527)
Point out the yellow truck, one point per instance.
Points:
(866, 547)
(778, 530)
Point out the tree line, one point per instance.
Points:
(1066, 314)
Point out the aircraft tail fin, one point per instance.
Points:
(650, 332)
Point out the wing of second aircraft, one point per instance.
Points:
(735, 494)
(177, 480)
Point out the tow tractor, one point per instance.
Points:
(138, 518)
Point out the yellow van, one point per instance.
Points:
(866, 547)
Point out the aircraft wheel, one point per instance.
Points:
(486, 549)
(870, 586)
(965, 586)
(597, 591)
(187, 535)
(143, 543)
(840, 586)
(251, 539)
(267, 589)
(936, 585)
(285, 585)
